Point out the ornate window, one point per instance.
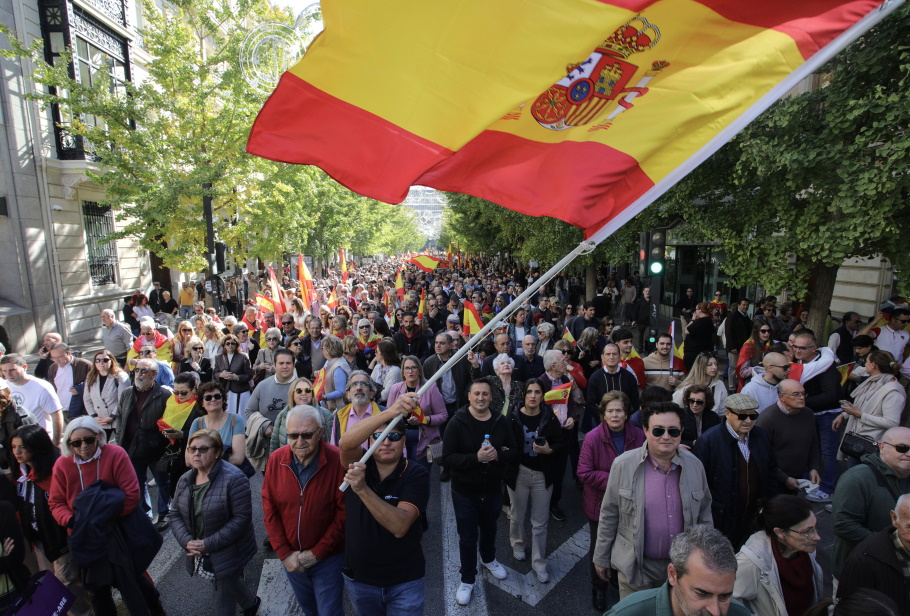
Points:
(98, 222)
(100, 55)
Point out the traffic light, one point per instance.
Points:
(657, 248)
(644, 250)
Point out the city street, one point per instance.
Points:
(568, 591)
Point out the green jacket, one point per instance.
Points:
(861, 507)
(656, 602)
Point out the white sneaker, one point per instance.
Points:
(496, 570)
(463, 594)
(542, 576)
(519, 554)
(818, 497)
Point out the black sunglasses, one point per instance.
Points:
(745, 416)
(90, 440)
(102, 360)
(902, 448)
(303, 390)
(673, 432)
(210, 397)
(230, 343)
(201, 449)
(273, 339)
(293, 436)
(392, 436)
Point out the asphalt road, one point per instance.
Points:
(569, 590)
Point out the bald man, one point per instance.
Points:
(763, 386)
(866, 493)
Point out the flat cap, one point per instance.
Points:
(741, 402)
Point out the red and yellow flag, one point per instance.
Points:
(399, 286)
(844, 370)
(422, 307)
(264, 303)
(567, 335)
(573, 111)
(277, 295)
(319, 385)
(307, 287)
(425, 262)
(344, 265)
(636, 364)
(387, 302)
(558, 395)
(332, 302)
(472, 323)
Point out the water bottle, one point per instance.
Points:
(486, 443)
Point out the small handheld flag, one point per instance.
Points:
(567, 336)
(559, 395)
(472, 322)
(319, 385)
(845, 370)
(423, 304)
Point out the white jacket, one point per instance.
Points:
(104, 403)
(758, 581)
(760, 389)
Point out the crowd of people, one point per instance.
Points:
(697, 482)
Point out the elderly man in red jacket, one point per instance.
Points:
(304, 513)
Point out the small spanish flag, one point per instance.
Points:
(344, 265)
(399, 286)
(425, 262)
(319, 385)
(264, 302)
(387, 302)
(559, 395)
(419, 414)
(845, 370)
(567, 335)
(423, 305)
(277, 295)
(472, 322)
(333, 301)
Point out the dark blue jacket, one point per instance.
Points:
(719, 454)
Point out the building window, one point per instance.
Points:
(100, 55)
(98, 222)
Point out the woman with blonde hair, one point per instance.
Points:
(232, 368)
(705, 371)
(300, 393)
(337, 370)
(367, 339)
(300, 313)
(212, 339)
(184, 333)
(197, 361)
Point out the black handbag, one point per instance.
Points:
(857, 445)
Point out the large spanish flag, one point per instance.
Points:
(472, 323)
(575, 109)
(425, 262)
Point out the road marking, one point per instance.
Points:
(452, 560)
(165, 558)
(559, 563)
(277, 597)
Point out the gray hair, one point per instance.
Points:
(107, 312)
(546, 329)
(148, 322)
(84, 422)
(347, 386)
(152, 364)
(499, 359)
(305, 412)
(61, 346)
(229, 320)
(550, 358)
(274, 331)
(715, 549)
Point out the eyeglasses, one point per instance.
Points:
(303, 390)
(178, 392)
(230, 343)
(796, 394)
(199, 348)
(786, 367)
(293, 436)
(210, 397)
(744, 416)
(673, 432)
(273, 339)
(904, 321)
(392, 436)
(801, 348)
(805, 534)
(88, 440)
(145, 370)
(565, 352)
(764, 331)
(608, 324)
(902, 448)
(696, 402)
(410, 368)
(102, 360)
(295, 343)
(201, 449)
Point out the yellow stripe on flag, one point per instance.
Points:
(559, 395)
(472, 322)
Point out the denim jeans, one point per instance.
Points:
(400, 600)
(475, 519)
(829, 443)
(319, 589)
(164, 493)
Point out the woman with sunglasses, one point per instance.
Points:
(603, 334)
(420, 434)
(179, 343)
(212, 519)
(877, 404)
(565, 315)
(367, 339)
(752, 352)
(530, 483)
(149, 334)
(706, 372)
(696, 399)
(233, 372)
(178, 417)
(211, 408)
(196, 361)
(545, 338)
(36, 455)
(88, 458)
(777, 574)
(264, 366)
(613, 436)
(300, 393)
(103, 385)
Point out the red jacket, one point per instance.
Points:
(113, 466)
(308, 518)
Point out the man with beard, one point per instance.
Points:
(700, 580)
(409, 340)
(360, 390)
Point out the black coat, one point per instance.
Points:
(719, 454)
(639, 311)
(460, 445)
(51, 535)
(601, 383)
(549, 429)
(147, 444)
(823, 392)
(12, 564)
(737, 330)
(418, 344)
(240, 365)
(873, 564)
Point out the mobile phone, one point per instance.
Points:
(845, 402)
(540, 441)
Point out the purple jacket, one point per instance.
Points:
(433, 407)
(597, 455)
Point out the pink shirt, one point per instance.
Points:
(663, 509)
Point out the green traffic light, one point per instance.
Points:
(657, 267)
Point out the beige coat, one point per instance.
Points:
(620, 536)
(758, 581)
(881, 400)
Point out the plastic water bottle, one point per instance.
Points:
(486, 443)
